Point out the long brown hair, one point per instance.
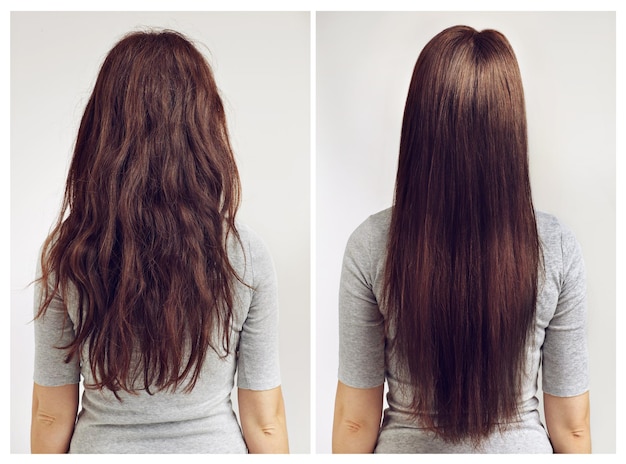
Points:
(463, 254)
(150, 201)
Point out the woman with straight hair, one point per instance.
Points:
(458, 293)
(148, 287)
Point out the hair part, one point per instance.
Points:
(150, 199)
(463, 254)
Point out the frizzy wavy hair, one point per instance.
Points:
(463, 254)
(150, 201)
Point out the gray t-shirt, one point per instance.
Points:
(559, 341)
(198, 422)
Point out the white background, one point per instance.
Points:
(261, 63)
(567, 60)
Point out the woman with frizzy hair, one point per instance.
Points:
(148, 288)
(458, 293)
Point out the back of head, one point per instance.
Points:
(151, 197)
(463, 251)
(154, 116)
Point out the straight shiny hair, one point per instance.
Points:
(463, 253)
(150, 201)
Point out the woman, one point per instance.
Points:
(460, 291)
(148, 287)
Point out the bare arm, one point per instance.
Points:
(568, 425)
(262, 415)
(53, 417)
(357, 418)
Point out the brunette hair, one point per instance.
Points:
(463, 254)
(150, 201)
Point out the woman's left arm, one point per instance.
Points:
(357, 418)
(53, 419)
(359, 398)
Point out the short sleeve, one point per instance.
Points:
(53, 330)
(361, 325)
(565, 369)
(257, 364)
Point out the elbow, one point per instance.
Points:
(568, 424)
(267, 437)
(572, 440)
(50, 433)
(352, 427)
(53, 419)
(272, 428)
(354, 436)
(357, 419)
(580, 434)
(581, 438)
(263, 421)
(273, 422)
(44, 420)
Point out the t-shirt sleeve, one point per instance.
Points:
(565, 369)
(53, 330)
(361, 325)
(257, 363)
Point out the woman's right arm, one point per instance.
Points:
(565, 379)
(261, 406)
(263, 422)
(567, 419)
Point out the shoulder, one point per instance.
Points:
(252, 252)
(251, 240)
(551, 227)
(558, 241)
(373, 231)
(366, 247)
